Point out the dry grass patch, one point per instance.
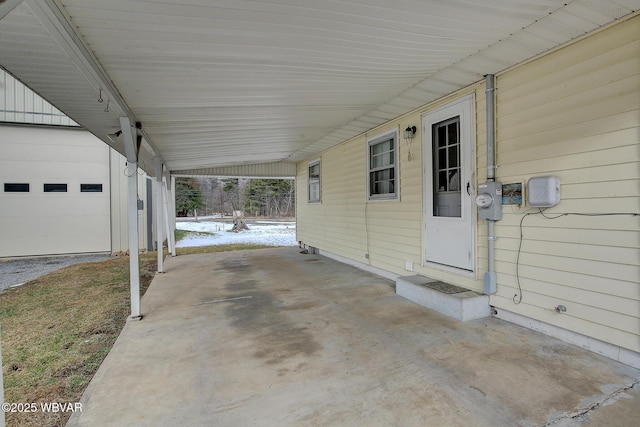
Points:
(57, 329)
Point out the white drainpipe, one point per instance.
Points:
(490, 275)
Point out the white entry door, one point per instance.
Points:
(449, 224)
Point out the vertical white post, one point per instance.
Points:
(170, 239)
(132, 218)
(159, 216)
(171, 206)
(131, 150)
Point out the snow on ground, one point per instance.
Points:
(271, 233)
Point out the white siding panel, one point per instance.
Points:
(39, 223)
(19, 104)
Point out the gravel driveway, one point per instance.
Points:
(17, 271)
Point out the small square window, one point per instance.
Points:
(382, 167)
(55, 188)
(314, 181)
(11, 187)
(91, 188)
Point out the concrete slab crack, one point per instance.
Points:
(611, 397)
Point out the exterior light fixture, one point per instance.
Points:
(409, 133)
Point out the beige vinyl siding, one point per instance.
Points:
(392, 232)
(338, 223)
(575, 114)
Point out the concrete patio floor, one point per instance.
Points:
(274, 337)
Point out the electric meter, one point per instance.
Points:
(489, 200)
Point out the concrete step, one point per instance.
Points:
(450, 300)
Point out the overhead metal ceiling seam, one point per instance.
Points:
(452, 86)
(74, 45)
(7, 6)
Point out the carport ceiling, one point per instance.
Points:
(229, 82)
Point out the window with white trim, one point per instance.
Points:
(382, 167)
(314, 181)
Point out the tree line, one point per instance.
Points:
(222, 196)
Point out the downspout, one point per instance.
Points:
(491, 139)
(490, 275)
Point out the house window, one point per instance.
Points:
(383, 167)
(314, 181)
(55, 188)
(11, 187)
(91, 188)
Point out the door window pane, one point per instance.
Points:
(447, 199)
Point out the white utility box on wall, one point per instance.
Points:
(543, 191)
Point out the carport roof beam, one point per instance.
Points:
(68, 37)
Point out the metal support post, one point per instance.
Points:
(132, 218)
(159, 216)
(167, 206)
(171, 205)
(131, 149)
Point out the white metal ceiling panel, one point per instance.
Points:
(217, 83)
